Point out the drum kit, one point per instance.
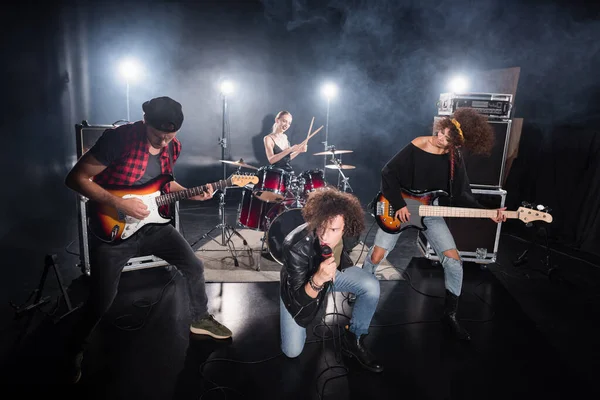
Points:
(274, 204)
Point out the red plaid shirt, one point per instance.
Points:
(131, 164)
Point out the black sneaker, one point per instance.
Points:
(210, 326)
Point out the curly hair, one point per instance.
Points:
(478, 135)
(325, 204)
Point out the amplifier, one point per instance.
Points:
(489, 171)
(476, 239)
(494, 105)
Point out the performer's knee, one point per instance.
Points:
(371, 287)
(452, 253)
(377, 254)
(292, 351)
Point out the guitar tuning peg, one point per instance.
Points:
(526, 204)
(529, 225)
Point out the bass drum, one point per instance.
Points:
(279, 228)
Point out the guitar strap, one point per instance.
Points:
(453, 156)
(170, 149)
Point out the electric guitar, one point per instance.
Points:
(419, 206)
(110, 224)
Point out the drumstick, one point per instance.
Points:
(310, 127)
(311, 135)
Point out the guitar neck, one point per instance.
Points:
(172, 197)
(441, 211)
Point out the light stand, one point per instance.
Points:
(131, 70)
(227, 231)
(326, 135)
(223, 139)
(127, 96)
(329, 90)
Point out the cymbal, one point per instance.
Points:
(333, 152)
(239, 163)
(341, 166)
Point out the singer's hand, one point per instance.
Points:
(326, 271)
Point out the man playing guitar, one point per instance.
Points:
(132, 155)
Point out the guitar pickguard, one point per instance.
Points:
(132, 225)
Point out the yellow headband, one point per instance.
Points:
(457, 125)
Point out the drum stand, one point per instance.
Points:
(344, 179)
(227, 231)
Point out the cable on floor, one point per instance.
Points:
(144, 304)
(223, 388)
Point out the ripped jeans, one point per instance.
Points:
(440, 239)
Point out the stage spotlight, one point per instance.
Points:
(227, 87)
(329, 90)
(131, 70)
(458, 84)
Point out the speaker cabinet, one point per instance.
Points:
(85, 137)
(488, 171)
(476, 238)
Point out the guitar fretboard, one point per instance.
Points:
(441, 211)
(195, 191)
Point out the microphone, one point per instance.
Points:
(326, 251)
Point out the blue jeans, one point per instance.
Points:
(440, 239)
(352, 279)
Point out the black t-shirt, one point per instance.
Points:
(109, 147)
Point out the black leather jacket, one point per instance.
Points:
(301, 259)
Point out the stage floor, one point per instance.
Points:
(529, 334)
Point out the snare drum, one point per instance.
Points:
(252, 211)
(313, 179)
(272, 184)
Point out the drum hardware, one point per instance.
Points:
(296, 190)
(313, 180)
(337, 164)
(239, 163)
(343, 183)
(280, 227)
(330, 151)
(277, 192)
(272, 183)
(227, 231)
(294, 199)
(333, 152)
(340, 166)
(252, 211)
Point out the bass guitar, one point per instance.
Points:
(109, 224)
(419, 205)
